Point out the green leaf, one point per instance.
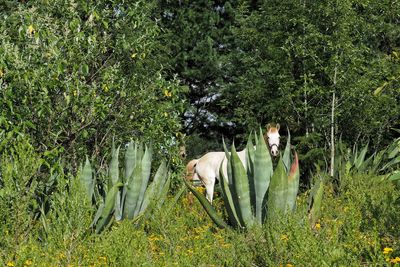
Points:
(293, 183)
(154, 189)
(228, 199)
(286, 154)
(358, 161)
(207, 206)
(394, 176)
(108, 207)
(277, 193)
(87, 179)
(263, 170)
(146, 169)
(132, 193)
(130, 159)
(315, 202)
(241, 185)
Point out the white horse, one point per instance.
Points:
(207, 167)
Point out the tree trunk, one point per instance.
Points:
(332, 168)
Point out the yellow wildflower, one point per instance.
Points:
(31, 29)
(28, 263)
(284, 238)
(167, 93)
(395, 260)
(387, 250)
(10, 264)
(317, 226)
(103, 258)
(155, 238)
(289, 265)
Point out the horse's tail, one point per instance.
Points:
(191, 169)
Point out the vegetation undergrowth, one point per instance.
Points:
(358, 226)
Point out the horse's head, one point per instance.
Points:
(273, 138)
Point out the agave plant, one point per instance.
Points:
(382, 161)
(255, 193)
(129, 191)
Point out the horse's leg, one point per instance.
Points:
(209, 184)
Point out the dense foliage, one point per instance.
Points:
(250, 63)
(76, 73)
(77, 76)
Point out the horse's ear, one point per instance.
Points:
(278, 126)
(268, 127)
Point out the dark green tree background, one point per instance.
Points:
(75, 74)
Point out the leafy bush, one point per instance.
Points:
(128, 191)
(73, 74)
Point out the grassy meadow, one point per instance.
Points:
(358, 226)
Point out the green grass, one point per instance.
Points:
(359, 220)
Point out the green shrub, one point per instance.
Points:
(73, 74)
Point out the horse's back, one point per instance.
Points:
(208, 165)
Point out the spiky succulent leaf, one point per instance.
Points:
(133, 191)
(286, 154)
(263, 170)
(277, 192)
(97, 215)
(359, 159)
(316, 201)
(293, 183)
(130, 159)
(114, 168)
(87, 179)
(108, 207)
(154, 188)
(146, 169)
(228, 200)
(242, 189)
(207, 206)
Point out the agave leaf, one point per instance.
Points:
(108, 207)
(366, 163)
(262, 176)
(315, 202)
(250, 157)
(277, 192)
(87, 180)
(164, 191)
(114, 177)
(394, 176)
(286, 154)
(228, 163)
(377, 160)
(360, 158)
(132, 193)
(293, 183)
(153, 190)
(207, 206)
(391, 163)
(228, 201)
(114, 168)
(130, 159)
(393, 149)
(241, 185)
(97, 215)
(250, 151)
(146, 169)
